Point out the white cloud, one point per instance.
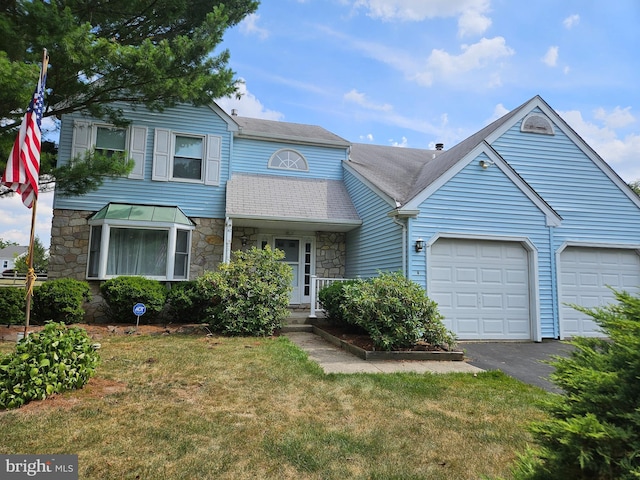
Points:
(571, 21)
(473, 57)
(249, 26)
(403, 143)
(356, 97)
(620, 153)
(16, 219)
(499, 111)
(368, 137)
(617, 118)
(472, 18)
(551, 57)
(248, 105)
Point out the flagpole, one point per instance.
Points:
(31, 275)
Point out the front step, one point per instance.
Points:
(297, 327)
(297, 317)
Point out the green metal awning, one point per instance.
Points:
(142, 213)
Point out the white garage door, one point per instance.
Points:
(584, 276)
(482, 288)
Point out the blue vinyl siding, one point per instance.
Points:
(196, 200)
(481, 202)
(592, 207)
(252, 156)
(376, 245)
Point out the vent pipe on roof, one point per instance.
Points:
(439, 146)
(234, 112)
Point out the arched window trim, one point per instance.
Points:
(546, 129)
(278, 161)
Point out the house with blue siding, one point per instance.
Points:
(504, 230)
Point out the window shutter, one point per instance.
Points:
(81, 138)
(212, 173)
(137, 150)
(161, 155)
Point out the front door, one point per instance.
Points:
(291, 249)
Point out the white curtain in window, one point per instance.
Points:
(137, 252)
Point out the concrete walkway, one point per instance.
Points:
(333, 359)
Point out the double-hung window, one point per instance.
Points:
(184, 157)
(150, 241)
(110, 140)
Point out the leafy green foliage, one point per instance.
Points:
(122, 293)
(129, 51)
(5, 243)
(395, 311)
(12, 305)
(251, 293)
(191, 301)
(60, 300)
(594, 430)
(51, 361)
(40, 259)
(331, 299)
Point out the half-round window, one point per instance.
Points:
(537, 123)
(286, 159)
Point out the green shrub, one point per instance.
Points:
(51, 361)
(122, 293)
(189, 302)
(250, 294)
(395, 312)
(12, 305)
(331, 299)
(594, 427)
(60, 300)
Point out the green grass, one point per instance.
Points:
(174, 407)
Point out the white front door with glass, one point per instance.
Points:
(298, 254)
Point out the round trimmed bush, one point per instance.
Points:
(189, 302)
(12, 305)
(60, 300)
(122, 293)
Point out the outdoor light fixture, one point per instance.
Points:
(243, 240)
(485, 164)
(419, 245)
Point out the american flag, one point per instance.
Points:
(23, 166)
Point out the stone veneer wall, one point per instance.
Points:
(69, 251)
(331, 254)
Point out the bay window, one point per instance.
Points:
(150, 241)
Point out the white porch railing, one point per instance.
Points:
(317, 284)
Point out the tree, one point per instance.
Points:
(155, 53)
(5, 243)
(635, 186)
(594, 427)
(40, 259)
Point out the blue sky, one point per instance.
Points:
(412, 73)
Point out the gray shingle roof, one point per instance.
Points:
(274, 197)
(270, 129)
(403, 173)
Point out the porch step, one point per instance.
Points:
(297, 327)
(297, 317)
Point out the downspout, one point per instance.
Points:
(404, 242)
(228, 237)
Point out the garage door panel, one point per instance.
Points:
(490, 288)
(586, 274)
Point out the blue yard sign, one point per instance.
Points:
(139, 309)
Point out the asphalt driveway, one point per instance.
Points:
(521, 360)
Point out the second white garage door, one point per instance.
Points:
(482, 288)
(585, 274)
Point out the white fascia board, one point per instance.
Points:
(560, 123)
(553, 219)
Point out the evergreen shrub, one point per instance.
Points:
(60, 300)
(594, 426)
(12, 305)
(122, 293)
(250, 294)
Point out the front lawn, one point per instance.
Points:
(188, 407)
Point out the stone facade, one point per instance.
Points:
(70, 246)
(331, 254)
